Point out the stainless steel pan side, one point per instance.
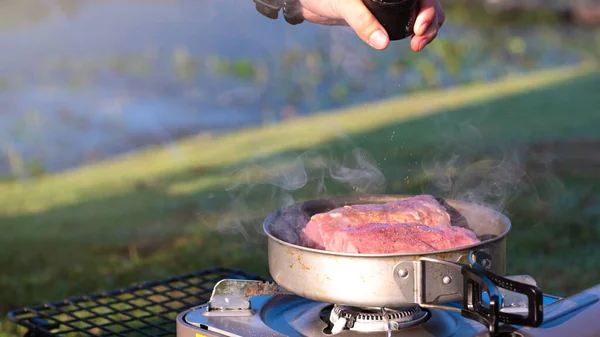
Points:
(371, 280)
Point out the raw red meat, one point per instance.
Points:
(399, 238)
(423, 209)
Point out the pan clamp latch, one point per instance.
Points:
(486, 297)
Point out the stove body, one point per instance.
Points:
(294, 316)
(181, 300)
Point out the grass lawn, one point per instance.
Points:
(529, 143)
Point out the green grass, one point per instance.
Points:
(200, 202)
(475, 13)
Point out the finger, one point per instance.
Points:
(419, 42)
(426, 16)
(309, 15)
(441, 16)
(362, 21)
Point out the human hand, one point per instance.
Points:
(355, 14)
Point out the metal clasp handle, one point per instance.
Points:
(428, 282)
(478, 281)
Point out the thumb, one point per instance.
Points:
(362, 21)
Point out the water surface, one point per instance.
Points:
(92, 79)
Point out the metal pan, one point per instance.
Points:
(397, 280)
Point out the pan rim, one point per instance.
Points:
(501, 216)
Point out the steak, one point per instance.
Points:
(399, 238)
(423, 209)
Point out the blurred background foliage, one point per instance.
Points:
(136, 135)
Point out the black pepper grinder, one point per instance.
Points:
(396, 16)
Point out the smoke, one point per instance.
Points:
(291, 178)
(458, 169)
(269, 183)
(491, 180)
(463, 169)
(359, 170)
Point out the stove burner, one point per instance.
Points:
(375, 319)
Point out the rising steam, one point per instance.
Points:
(359, 170)
(458, 170)
(461, 169)
(492, 181)
(268, 184)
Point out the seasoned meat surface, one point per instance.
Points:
(413, 225)
(423, 209)
(397, 238)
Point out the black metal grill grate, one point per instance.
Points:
(147, 309)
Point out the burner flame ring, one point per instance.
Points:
(373, 319)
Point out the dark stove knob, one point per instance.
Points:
(396, 16)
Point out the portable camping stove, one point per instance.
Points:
(255, 308)
(162, 308)
(335, 295)
(453, 293)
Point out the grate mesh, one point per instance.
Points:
(147, 309)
